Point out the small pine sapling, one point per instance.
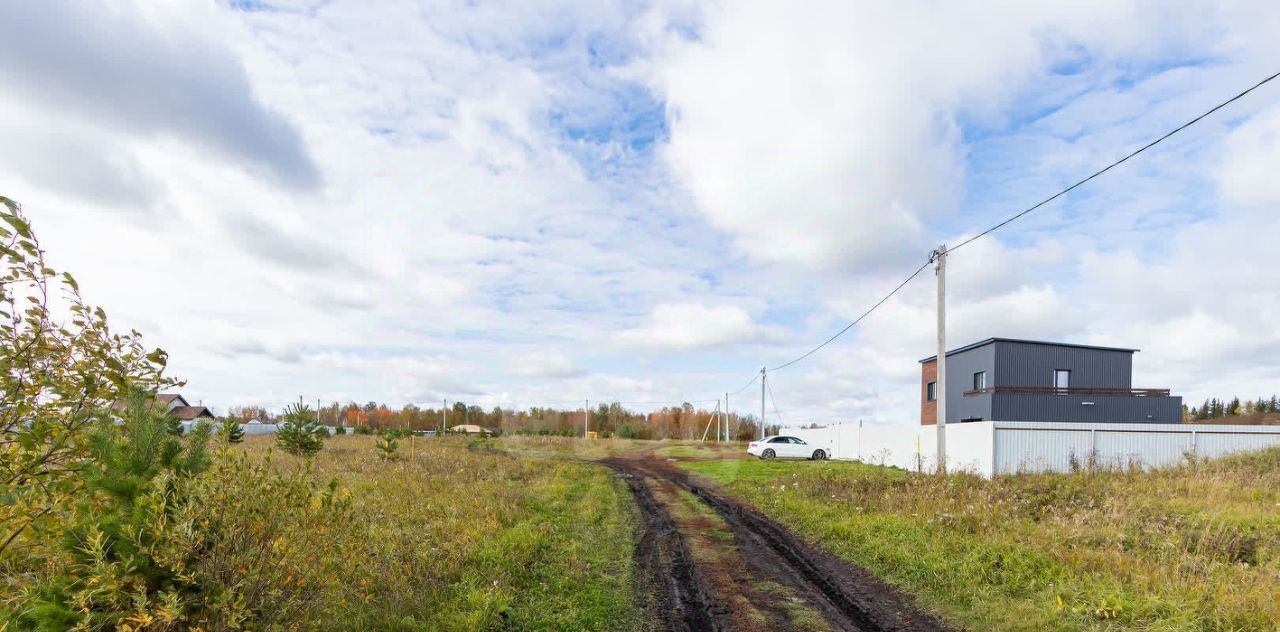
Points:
(299, 433)
(387, 447)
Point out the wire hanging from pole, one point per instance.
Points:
(857, 320)
(1115, 164)
(774, 401)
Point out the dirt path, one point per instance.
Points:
(768, 579)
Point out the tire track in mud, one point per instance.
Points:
(848, 597)
(683, 602)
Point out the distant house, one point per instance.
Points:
(180, 408)
(469, 429)
(177, 405)
(1003, 379)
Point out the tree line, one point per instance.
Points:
(609, 419)
(1215, 408)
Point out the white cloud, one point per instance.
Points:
(1248, 173)
(826, 133)
(471, 207)
(692, 326)
(547, 364)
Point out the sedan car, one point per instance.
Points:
(785, 447)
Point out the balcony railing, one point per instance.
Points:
(1050, 390)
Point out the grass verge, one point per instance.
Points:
(455, 539)
(1195, 547)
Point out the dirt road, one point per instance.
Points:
(714, 564)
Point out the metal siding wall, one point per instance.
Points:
(1036, 446)
(989, 448)
(1214, 444)
(1070, 408)
(1038, 450)
(1024, 364)
(1127, 448)
(960, 370)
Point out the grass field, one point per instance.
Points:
(452, 538)
(1195, 547)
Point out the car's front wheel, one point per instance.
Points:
(819, 455)
(768, 454)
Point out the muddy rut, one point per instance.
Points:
(800, 580)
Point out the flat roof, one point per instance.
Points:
(983, 343)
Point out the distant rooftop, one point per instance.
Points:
(983, 343)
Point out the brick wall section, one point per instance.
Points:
(928, 409)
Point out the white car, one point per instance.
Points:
(785, 447)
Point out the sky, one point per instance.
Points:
(524, 204)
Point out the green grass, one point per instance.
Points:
(690, 452)
(1195, 547)
(459, 539)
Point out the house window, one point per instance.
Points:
(980, 381)
(1061, 379)
(931, 392)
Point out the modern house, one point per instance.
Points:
(1002, 379)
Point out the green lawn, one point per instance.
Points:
(1195, 547)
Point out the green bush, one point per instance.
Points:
(339, 430)
(230, 431)
(61, 370)
(299, 432)
(117, 559)
(387, 447)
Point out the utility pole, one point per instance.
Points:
(726, 416)
(764, 375)
(940, 391)
(444, 416)
(586, 417)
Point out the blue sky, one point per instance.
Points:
(647, 201)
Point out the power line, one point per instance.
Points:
(775, 404)
(856, 321)
(1116, 163)
(1031, 209)
(672, 401)
(749, 383)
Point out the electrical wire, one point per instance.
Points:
(1114, 164)
(683, 401)
(749, 383)
(1031, 209)
(856, 321)
(774, 401)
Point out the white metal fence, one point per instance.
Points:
(1005, 447)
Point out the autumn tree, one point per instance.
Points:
(61, 370)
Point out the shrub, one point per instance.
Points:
(387, 447)
(231, 432)
(57, 380)
(117, 558)
(243, 511)
(339, 430)
(300, 433)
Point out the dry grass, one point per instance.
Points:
(1195, 547)
(451, 538)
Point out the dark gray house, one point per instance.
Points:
(1002, 379)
